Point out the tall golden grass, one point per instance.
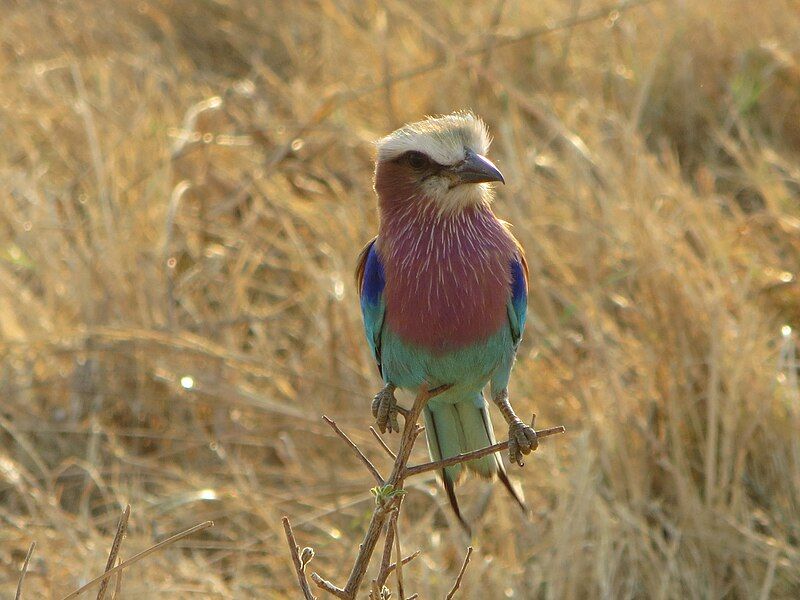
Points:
(184, 186)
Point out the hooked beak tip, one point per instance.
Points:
(477, 169)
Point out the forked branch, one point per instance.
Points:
(299, 566)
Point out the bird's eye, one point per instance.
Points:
(417, 160)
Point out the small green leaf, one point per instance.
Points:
(386, 493)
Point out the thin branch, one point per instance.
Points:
(460, 575)
(362, 559)
(383, 572)
(460, 458)
(298, 566)
(405, 561)
(382, 443)
(24, 571)
(393, 525)
(136, 558)
(367, 463)
(122, 527)
(326, 585)
(395, 479)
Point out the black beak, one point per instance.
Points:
(475, 169)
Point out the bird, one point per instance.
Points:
(443, 290)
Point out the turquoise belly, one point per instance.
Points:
(467, 369)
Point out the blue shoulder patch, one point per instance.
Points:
(519, 289)
(518, 303)
(374, 280)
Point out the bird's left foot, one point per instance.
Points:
(522, 439)
(384, 409)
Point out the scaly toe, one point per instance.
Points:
(513, 452)
(384, 409)
(376, 403)
(383, 415)
(523, 437)
(393, 424)
(533, 439)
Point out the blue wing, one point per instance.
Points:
(516, 308)
(518, 302)
(371, 281)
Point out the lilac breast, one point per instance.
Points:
(447, 277)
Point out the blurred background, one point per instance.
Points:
(184, 188)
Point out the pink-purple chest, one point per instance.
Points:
(447, 278)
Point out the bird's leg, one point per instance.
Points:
(384, 409)
(521, 438)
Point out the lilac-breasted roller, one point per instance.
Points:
(443, 291)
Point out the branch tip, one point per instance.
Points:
(361, 456)
(461, 571)
(299, 566)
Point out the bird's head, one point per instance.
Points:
(440, 160)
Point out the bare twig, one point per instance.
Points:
(136, 558)
(382, 443)
(24, 570)
(460, 575)
(405, 561)
(393, 525)
(326, 585)
(383, 572)
(379, 582)
(460, 458)
(122, 527)
(299, 567)
(367, 463)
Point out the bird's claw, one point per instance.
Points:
(384, 409)
(522, 439)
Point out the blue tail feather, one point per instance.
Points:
(454, 428)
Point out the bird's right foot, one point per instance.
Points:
(522, 439)
(384, 409)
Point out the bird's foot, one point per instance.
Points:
(522, 439)
(384, 409)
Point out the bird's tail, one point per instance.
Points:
(459, 427)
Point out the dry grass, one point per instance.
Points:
(184, 186)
